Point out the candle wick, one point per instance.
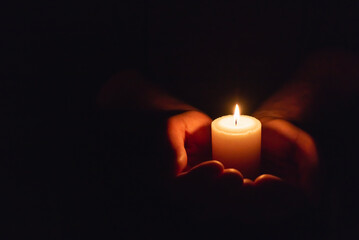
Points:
(235, 122)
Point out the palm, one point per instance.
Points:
(189, 135)
(288, 152)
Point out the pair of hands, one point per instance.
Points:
(288, 153)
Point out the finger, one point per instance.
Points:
(307, 158)
(196, 185)
(228, 186)
(269, 186)
(266, 179)
(248, 183)
(176, 138)
(198, 137)
(231, 178)
(276, 198)
(248, 190)
(204, 171)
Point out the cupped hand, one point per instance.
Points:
(208, 192)
(189, 137)
(289, 152)
(289, 158)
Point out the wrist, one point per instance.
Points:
(268, 115)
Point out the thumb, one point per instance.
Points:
(176, 138)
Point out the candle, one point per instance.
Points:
(236, 142)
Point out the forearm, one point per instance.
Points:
(292, 103)
(323, 80)
(128, 90)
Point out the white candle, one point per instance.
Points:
(236, 142)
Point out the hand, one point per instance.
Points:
(189, 137)
(209, 192)
(289, 152)
(210, 189)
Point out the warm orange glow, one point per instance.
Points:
(236, 115)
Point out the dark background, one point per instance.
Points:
(67, 50)
(57, 55)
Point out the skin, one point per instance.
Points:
(218, 192)
(289, 154)
(287, 151)
(204, 184)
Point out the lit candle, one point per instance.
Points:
(236, 142)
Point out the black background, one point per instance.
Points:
(55, 147)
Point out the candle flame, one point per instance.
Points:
(236, 115)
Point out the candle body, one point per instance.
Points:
(237, 146)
